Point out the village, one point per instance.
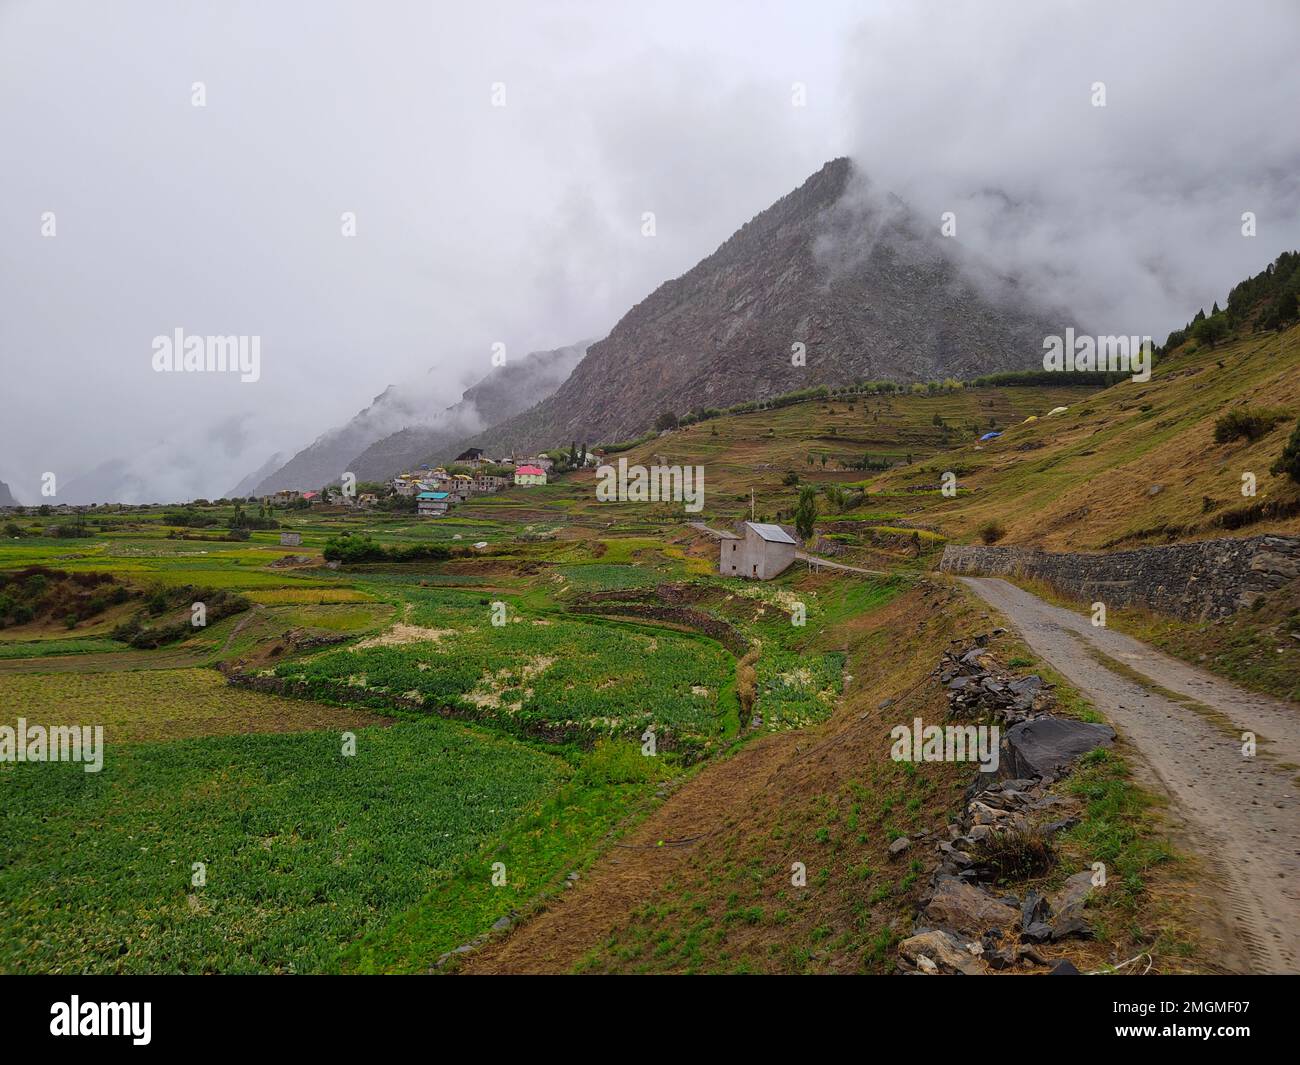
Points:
(437, 489)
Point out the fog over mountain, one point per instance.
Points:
(407, 425)
(127, 212)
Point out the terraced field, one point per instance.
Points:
(166, 704)
(1136, 463)
(534, 673)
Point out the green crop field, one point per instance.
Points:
(534, 673)
(303, 849)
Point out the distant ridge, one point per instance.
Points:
(403, 426)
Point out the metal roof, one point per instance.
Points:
(773, 533)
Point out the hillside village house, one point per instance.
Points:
(285, 497)
(488, 482)
(432, 504)
(472, 457)
(530, 475)
(541, 460)
(290, 539)
(761, 554)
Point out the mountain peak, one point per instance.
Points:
(837, 265)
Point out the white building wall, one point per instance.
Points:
(754, 557)
(731, 558)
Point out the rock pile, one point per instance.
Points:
(965, 924)
(976, 686)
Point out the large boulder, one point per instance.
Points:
(938, 951)
(1068, 905)
(964, 907)
(1046, 746)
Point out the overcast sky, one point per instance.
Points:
(521, 224)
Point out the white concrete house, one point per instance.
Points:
(761, 554)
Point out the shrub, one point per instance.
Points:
(351, 549)
(1209, 331)
(219, 603)
(1252, 423)
(1015, 855)
(991, 532)
(805, 514)
(1289, 461)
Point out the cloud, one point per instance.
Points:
(522, 224)
(1130, 212)
(475, 224)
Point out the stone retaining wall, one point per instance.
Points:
(1197, 580)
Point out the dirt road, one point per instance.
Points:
(1243, 813)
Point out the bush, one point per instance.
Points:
(351, 549)
(1289, 461)
(1250, 423)
(991, 532)
(189, 518)
(805, 514)
(1209, 331)
(791, 478)
(219, 603)
(1015, 855)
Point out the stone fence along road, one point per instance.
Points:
(1197, 580)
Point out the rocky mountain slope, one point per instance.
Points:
(506, 391)
(403, 426)
(6, 497)
(839, 266)
(249, 484)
